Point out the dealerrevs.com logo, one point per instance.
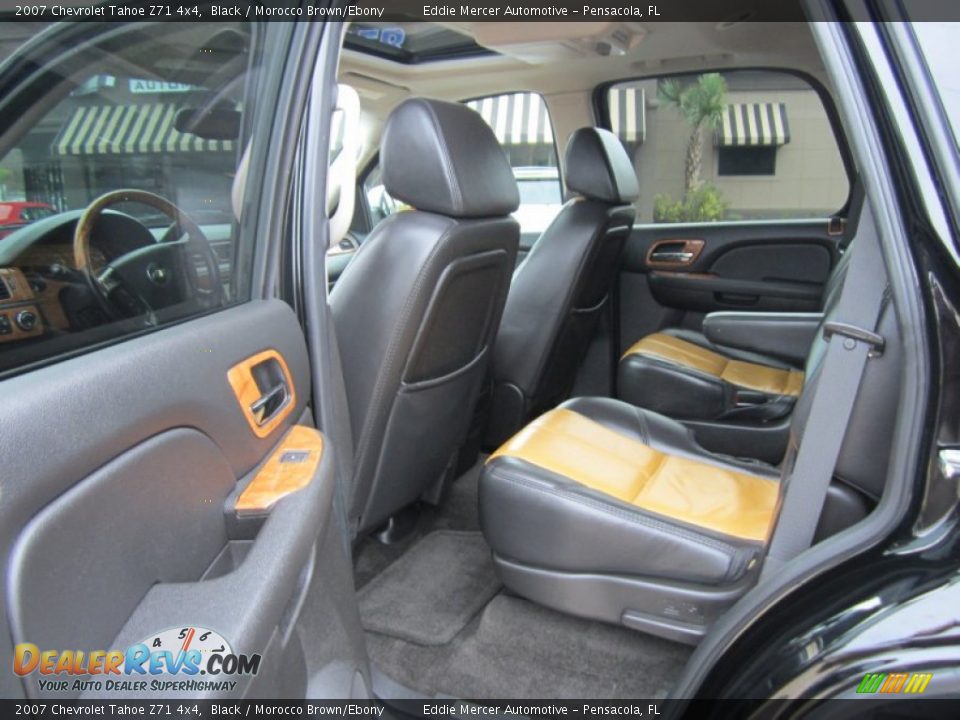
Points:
(171, 661)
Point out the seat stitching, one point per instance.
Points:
(668, 364)
(684, 358)
(448, 169)
(652, 476)
(643, 425)
(392, 360)
(779, 389)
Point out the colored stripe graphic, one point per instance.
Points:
(894, 683)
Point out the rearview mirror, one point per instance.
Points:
(215, 124)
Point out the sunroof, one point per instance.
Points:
(411, 42)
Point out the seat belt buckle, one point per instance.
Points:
(852, 332)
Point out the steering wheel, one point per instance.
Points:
(154, 276)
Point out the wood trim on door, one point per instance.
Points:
(291, 467)
(694, 247)
(241, 379)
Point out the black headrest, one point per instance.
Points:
(598, 167)
(443, 158)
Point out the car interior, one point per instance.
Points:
(582, 340)
(647, 392)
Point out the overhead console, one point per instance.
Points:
(547, 42)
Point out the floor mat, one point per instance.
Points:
(433, 591)
(458, 512)
(520, 650)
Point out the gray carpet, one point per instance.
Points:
(432, 592)
(511, 648)
(457, 512)
(517, 649)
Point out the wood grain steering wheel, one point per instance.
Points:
(151, 277)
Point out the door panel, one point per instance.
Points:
(118, 517)
(673, 274)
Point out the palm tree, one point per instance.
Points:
(701, 103)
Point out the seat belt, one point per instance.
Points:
(852, 340)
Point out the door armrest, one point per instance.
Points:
(787, 336)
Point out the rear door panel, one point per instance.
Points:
(673, 274)
(121, 468)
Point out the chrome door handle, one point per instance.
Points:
(676, 257)
(267, 405)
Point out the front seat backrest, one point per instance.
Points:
(559, 291)
(417, 308)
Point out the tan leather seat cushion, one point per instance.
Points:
(752, 376)
(701, 494)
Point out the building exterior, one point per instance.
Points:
(774, 155)
(111, 132)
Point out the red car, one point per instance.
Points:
(14, 215)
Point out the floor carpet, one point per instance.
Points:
(503, 646)
(432, 592)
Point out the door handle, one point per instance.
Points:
(671, 252)
(265, 390)
(672, 257)
(268, 404)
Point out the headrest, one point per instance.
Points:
(443, 158)
(598, 167)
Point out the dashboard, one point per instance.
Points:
(41, 289)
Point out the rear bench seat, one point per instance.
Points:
(601, 509)
(684, 375)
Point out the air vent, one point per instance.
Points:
(4, 290)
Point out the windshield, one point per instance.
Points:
(938, 42)
(122, 131)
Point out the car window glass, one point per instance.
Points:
(937, 42)
(156, 125)
(379, 202)
(744, 145)
(522, 125)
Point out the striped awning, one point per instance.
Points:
(129, 130)
(754, 124)
(628, 117)
(516, 119)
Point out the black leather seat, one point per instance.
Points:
(682, 374)
(417, 309)
(560, 289)
(605, 510)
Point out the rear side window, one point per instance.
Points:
(742, 145)
(118, 193)
(522, 125)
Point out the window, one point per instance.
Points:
(522, 125)
(747, 161)
(379, 201)
(737, 145)
(116, 198)
(936, 41)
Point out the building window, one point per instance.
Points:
(747, 161)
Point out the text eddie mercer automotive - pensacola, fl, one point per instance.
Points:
(587, 11)
(465, 709)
